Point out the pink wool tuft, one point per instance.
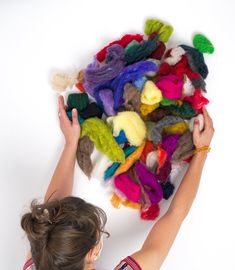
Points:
(129, 188)
(171, 86)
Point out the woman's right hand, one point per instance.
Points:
(204, 137)
(71, 130)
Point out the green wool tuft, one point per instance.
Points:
(136, 51)
(152, 26)
(203, 44)
(78, 100)
(100, 133)
(167, 102)
(185, 110)
(165, 33)
(157, 26)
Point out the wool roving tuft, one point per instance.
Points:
(100, 134)
(131, 124)
(97, 73)
(84, 150)
(77, 100)
(171, 86)
(136, 51)
(175, 56)
(145, 109)
(186, 110)
(151, 161)
(200, 118)
(185, 147)
(130, 160)
(80, 119)
(159, 52)
(168, 189)
(129, 188)
(150, 213)
(152, 26)
(155, 134)
(165, 32)
(203, 44)
(61, 80)
(169, 144)
(196, 60)
(180, 127)
(111, 170)
(131, 98)
(92, 110)
(151, 94)
(149, 182)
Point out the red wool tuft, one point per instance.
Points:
(149, 147)
(124, 41)
(150, 213)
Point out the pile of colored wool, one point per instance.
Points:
(137, 102)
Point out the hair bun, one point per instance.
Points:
(42, 215)
(37, 223)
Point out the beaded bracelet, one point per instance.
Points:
(202, 149)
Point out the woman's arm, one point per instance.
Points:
(163, 233)
(61, 184)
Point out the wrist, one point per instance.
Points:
(202, 149)
(200, 155)
(71, 145)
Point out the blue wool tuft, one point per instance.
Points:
(80, 119)
(168, 189)
(139, 83)
(121, 138)
(111, 170)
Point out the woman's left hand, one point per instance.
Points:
(71, 130)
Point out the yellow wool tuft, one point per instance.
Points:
(116, 201)
(130, 204)
(180, 127)
(145, 109)
(151, 94)
(131, 123)
(179, 102)
(130, 160)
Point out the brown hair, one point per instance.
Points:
(62, 232)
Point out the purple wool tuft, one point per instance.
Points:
(97, 73)
(169, 143)
(149, 182)
(106, 101)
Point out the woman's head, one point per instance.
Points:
(64, 234)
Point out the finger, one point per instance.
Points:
(196, 128)
(62, 112)
(61, 103)
(207, 119)
(75, 117)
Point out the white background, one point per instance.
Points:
(37, 37)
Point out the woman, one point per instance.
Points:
(65, 232)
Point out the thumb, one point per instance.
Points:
(75, 116)
(196, 130)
